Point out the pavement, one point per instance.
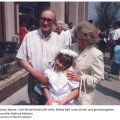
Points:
(12, 84)
(14, 77)
(108, 92)
(18, 98)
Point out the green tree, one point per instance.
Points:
(107, 13)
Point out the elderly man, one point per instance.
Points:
(37, 51)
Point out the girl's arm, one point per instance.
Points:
(74, 93)
(47, 95)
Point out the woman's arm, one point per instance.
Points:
(96, 73)
(74, 93)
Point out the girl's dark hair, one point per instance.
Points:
(66, 60)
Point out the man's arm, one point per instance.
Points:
(38, 75)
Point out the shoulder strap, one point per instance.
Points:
(82, 84)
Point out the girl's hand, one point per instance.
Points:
(73, 75)
(61, 102)
(51, 101)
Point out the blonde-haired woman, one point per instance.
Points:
(89, 65)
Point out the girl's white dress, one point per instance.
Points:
(59, 85)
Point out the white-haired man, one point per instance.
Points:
(37, 50)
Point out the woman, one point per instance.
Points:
(89, 64)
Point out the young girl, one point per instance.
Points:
(61, 90)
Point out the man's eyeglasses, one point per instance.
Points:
(46, 19)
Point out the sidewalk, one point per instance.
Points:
(10, 85)
(18, 98)
(14, 77)
(108, 92)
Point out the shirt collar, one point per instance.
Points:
(42, 35)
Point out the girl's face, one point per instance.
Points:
(59, 66)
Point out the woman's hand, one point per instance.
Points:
(73, 75)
